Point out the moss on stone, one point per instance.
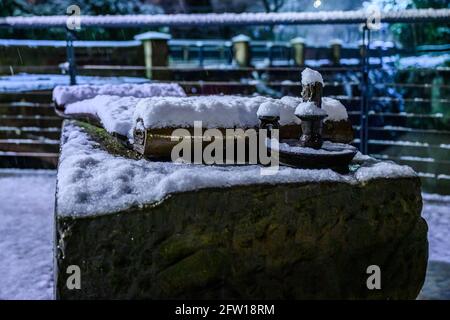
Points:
(108, 142)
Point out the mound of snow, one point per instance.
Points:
(334, 109)
(310, 76)
(268, 109)
(213, 111)
(309, 109)
(287, 111)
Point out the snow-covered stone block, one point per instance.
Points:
(144, 229)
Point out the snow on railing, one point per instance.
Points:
(321, 17)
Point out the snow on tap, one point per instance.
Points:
(269, 109)
(67, 94)
(310, 76)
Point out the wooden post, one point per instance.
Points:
(299, 45)
(336, 48)
(241, 50)
(156, 53)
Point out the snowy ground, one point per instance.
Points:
(26, 233)
(437, 213)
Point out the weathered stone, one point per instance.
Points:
(286, 241)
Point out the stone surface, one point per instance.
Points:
(289, 241)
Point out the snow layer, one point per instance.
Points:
(27, 200)
(213, 111)
(310, 76)
(214, 19)
(334, 109)
(62, 43)
(92, 181)
(115, 113)
(69, 94)
(27, 82)
(382, 170)
(309, 109)
(224, 111)
(423, 61)
(268, 109)
(119, 114)
(327, 148)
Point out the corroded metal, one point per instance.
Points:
(311, 136)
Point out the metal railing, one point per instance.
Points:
(375, 128)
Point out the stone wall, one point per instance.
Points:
(311, 241)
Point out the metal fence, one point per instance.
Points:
(406, 119)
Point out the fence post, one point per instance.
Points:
(71, 57)
(299, 45)
(201, 57)
(229, 51)
(185, 53)
(241, 50)
(336, 49)
(156, 54)
(270, 52)
(365, 94)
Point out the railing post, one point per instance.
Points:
(199, 45)
(288, 52)
(365, 98)
(270, 52)
(241, 50)
(156, 54)
(186, 53)
(299, 45)
(336, 49)
(229, 51)
(71, 57)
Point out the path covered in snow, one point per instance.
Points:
(26, 233)
(437, 213)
